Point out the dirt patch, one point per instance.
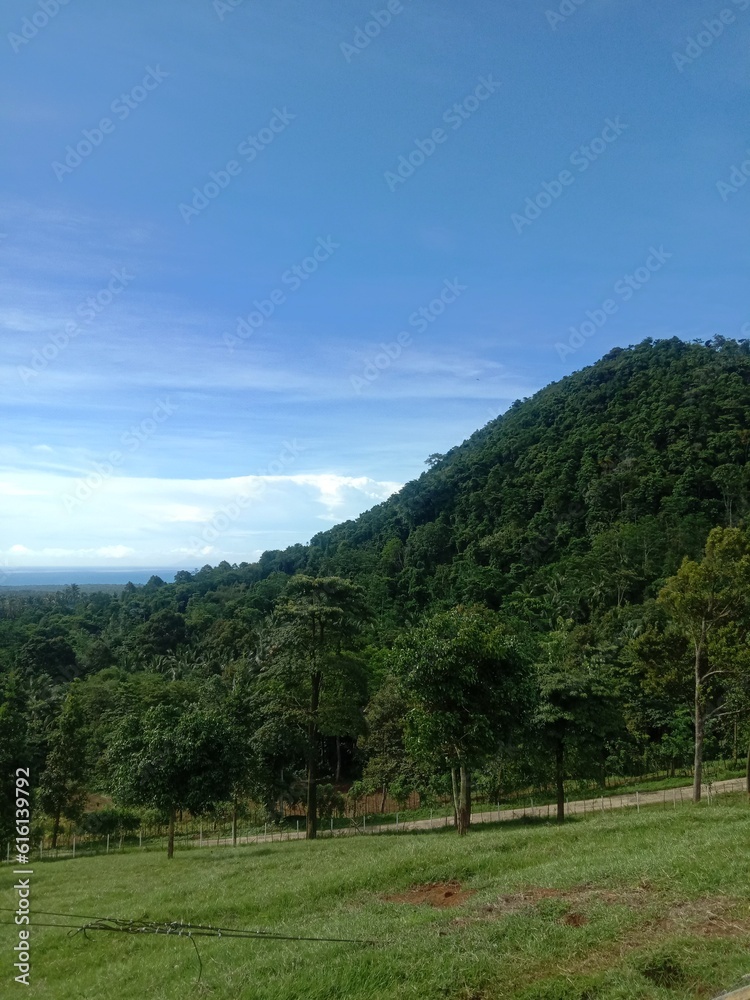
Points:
(576, 898)
(437, 894)
(575, 919)
(710, 916)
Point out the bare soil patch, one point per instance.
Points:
(710, 916)
(576, 898)
(438, 894)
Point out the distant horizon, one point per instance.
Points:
(33, 576)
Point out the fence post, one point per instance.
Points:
(637, 801)
(200, 834)
(107, 843)
(74, 845)
(396, 821)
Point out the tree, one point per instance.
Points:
(162, 633)
(708, 604)
(62, 788)
(316, 623)
(174, 759)
(50, 653)
(460, 671)
(384, 745)
(576, 702)
(14, 748)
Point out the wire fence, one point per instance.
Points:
(200, 833)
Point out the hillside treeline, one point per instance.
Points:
(563, 595)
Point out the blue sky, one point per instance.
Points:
(541, 181)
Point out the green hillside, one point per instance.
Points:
(609, 477)
(518, 617)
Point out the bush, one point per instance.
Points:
(330, 802)
(110, 821)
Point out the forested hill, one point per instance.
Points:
(529, 557)
(588, 493)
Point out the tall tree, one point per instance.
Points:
(708, 604)
(62, 783)
(460, 671)
(316, 625)
(387, 762)
(577, 702)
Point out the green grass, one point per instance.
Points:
(652, 883)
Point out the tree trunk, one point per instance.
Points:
(748, 770)
(382, 801)
(560, 780)
(699, 723)
(338, 760)
(234, 824)
(464, 802)
(55, 829)
(170, 834)
(454, 787)
(698, 762)
(312, 760)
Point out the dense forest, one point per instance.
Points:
(563, 595)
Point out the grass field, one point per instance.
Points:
(618, 905)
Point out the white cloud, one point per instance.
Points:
(153, 522)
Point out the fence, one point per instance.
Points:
(200, 833)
